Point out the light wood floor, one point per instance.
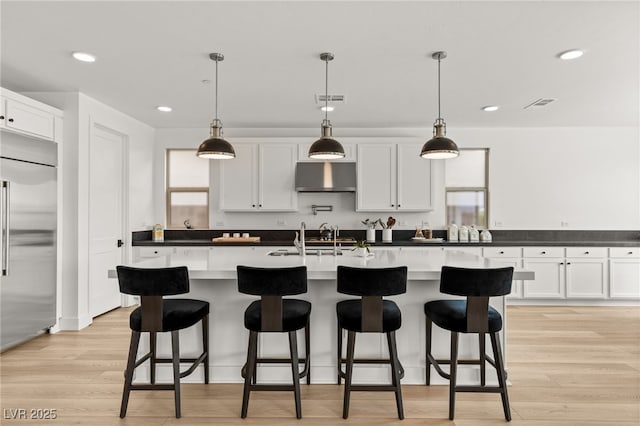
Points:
(567, 366)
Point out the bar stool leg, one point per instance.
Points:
(483, 362)
(395, 371)
(351, 342)
(205, 347)
(339, 362)
(252, 352)
(453, 373)
(175, 354)
(428, 329)
(128, 374)
(295, 372)
(254, 376)
(307, 350)
(152, 348)
(497, 353)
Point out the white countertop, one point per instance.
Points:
(220, 263)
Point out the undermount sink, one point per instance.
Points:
(313, 252)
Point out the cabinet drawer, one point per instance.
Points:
(501, 252)
(588, 252)
(543, 252)
(625, 252)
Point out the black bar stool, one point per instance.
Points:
(473, 315)
(156, 314)
(370, 314)
(272, 313)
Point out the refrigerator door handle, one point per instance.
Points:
(4, 210)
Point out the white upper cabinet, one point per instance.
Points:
(393, 177)
(20, 114)
(260, 178)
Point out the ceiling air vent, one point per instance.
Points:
(542, 102)
(334, 99)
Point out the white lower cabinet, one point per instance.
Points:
(586, 272)
(548, 265)
(510, 256)
(624, 272)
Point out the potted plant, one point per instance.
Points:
(361, 248)
(371, 229)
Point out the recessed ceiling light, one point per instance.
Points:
(84, 57)
(571, 54)
(164, 108)
(490, 108)
(327, 108)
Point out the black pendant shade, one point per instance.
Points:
(440, 146)
(326, 148)
(216, 147)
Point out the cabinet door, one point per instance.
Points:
(239, 179)
(277, 177)
(586, 278)
(549, 281)
(27, 119)
(414, 179)
(624, 278)
(376, 177)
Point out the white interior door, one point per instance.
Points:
(106, 156)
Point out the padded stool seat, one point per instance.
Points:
(295, 315)
(452, 315)
(350, 315)
(176, 314)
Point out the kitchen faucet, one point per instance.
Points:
(299, 241)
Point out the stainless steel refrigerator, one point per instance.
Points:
(28, 216)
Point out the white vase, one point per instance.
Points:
(386, 235)
(371, 235)
(361, 251)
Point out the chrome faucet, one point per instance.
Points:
(299, 240)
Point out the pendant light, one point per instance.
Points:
(326, 148)
(216, 147)
(439, 147)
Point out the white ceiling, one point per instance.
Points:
(504, 53)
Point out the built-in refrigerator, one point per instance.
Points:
(28, 217)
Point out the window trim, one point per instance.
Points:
(169, 190)
(448, 189)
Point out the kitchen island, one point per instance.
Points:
(212, 272)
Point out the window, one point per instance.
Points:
(466, 188)
(187, 189)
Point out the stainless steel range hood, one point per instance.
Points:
(326, 177)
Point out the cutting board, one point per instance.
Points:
(236, 240)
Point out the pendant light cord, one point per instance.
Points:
(326, 89)
(439, 115)
(216, 119)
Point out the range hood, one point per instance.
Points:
(326, 177)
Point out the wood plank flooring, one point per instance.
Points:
(567, 366)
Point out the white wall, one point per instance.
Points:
(588, 178)
(80, 111)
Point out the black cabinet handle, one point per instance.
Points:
(392, 205)
(398, 205)
(1, 117)
(562, 263)
(586, 252)
(253, 205)
(501, 252)
(11, 120)
(568, 263)
(120, 243)
(259, 205)
(544, 252)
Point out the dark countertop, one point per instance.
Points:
(511, 243)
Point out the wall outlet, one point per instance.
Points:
(497, 224)
(564, 224)
(219, 223)
(281, 222)
(402, 223)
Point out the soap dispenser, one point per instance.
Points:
(474, 235)
(485, 236)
